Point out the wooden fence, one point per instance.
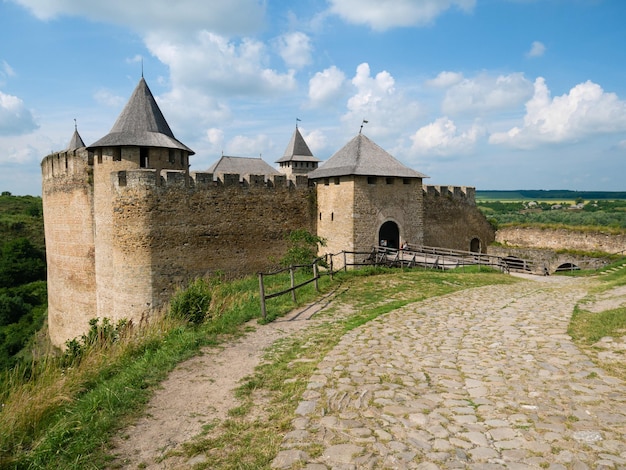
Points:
(413, 256)
(293, 287)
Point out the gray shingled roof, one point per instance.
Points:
(297, 150)
(363, 157)
(76, 142)
(141, 124)
(242, 166)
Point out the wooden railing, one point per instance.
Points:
(293, 286)
(410, 257)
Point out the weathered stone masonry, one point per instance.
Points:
(126, 222)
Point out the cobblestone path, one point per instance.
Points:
(481, 379)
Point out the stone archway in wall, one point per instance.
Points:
(475, 245)
(389, 235)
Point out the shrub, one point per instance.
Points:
(191, 304)
(303, 248)
(99, 335)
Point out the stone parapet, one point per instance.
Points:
(461, 193)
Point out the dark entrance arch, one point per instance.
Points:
(389, 235)
(567, 267)
(475, 245)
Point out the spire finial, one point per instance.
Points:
(362, 124)
(297, 121)
(141, 66)
(75, 125)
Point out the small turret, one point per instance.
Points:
(298, 158)
(76, 142)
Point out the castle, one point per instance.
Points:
(126, 221)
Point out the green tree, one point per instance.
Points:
(21, 262)
(303, 247)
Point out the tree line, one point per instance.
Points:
(23, 294)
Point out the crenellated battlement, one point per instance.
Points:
(65, 164)
(145, 178)
(466, 194)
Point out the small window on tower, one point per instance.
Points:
(337, 180)
(389, 180)
(172, 156)
(143, 157)
(117, 154)
(326, 181)
(406, 181)
(371, 180)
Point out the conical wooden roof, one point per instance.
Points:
(297, 150)
(363, 157)
(76, 142)
(141, 124)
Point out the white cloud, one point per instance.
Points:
(192, 109)
(213, 63)
(215, 136)
(377, 100)
(326, 86)
(385, 14)
(7, 70)
(244, 146)
(586, 110)
(442, 137)
(15, 118)
(295, 49)
(371, 90)
(225, 17)
(316, 140)
(537, 49)
(486, 93)
(135, 60)
(109, 99)
(445, 80)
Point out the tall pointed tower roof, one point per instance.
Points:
(363, 157)
(297, 150)
(142, 124)
(76, 142)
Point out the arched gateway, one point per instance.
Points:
(389, 235)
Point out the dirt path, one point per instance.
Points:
(198, 392)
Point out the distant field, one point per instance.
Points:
(549, 195)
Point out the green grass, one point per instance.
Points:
(250, 437)
(62, 417)
(587, 328)
(57, 417)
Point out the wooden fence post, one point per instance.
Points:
(293, 283)
(262, 295)
(345, 265)
(331, 266)
(315, 276)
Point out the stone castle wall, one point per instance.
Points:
(121, 239)
(452, 219)
(70, 249)
(172, 233)
(558, 239)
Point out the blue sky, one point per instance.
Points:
(496, 94)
